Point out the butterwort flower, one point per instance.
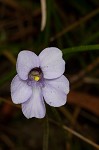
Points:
(39, 78)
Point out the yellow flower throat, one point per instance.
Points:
(36, 78)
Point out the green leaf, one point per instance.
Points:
(81, 48)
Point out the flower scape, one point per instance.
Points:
(39, 78)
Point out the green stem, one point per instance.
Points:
(46, 134)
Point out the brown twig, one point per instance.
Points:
(76, 134)
(9, 56)
(91, 80)
(11, 3)
(7, 141)
(8, 102)
(74, 25)
(82, 73)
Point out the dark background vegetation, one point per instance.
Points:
(69, 24)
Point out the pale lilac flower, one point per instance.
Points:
(39, 78)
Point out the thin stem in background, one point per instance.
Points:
(76, 134)
(46, 134)
(63, 126)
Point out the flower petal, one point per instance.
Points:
(35, 106)
(55, 91)
(52, 63)
(26, 61)
(20, 91)
(61, 84)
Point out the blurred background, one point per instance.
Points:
(72, 26)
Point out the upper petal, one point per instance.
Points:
(55, 91)
(26, 61)
(52, 63)
(20, 91)
(35, 106)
